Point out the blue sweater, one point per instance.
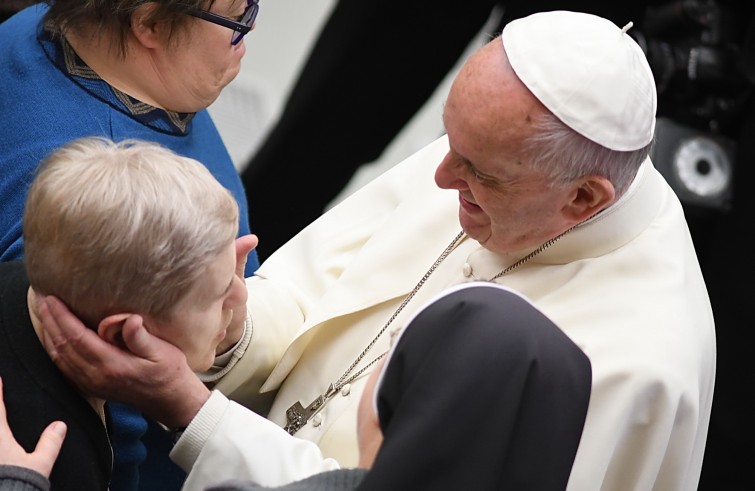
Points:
(48, 96)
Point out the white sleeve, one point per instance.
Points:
(294, 282)
(227, 441)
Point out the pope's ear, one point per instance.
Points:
(593, 194)
(110, 329)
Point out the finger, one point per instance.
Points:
(244, 246)
(54, 336)
(61, 326)
(64, 331)
(48, 447)
(6, 435)
(89, 361)
(143, 344)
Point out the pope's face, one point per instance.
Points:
(503, 203)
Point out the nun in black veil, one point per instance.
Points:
(481, 391)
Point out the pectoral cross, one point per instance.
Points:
(297, 415)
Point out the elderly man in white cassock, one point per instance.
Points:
(543, 184)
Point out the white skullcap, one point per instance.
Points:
(589, 73)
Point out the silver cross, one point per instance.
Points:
(297, 415)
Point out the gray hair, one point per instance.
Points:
(564, 155)
(126, 227)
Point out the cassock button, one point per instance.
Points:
(346, 390)
(466, 270)
(317, 420)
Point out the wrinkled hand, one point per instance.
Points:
(244, 246)
(43, 457)
(148, 373)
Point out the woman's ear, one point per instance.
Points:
(110, 329)
(592, 194)
(147, 32)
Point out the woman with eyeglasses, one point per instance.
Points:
(118, 69)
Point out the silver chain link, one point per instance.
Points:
(343, 380)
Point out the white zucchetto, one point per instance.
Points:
(588, 72)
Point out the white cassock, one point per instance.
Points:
(626, 287)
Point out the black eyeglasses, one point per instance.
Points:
(242, 26)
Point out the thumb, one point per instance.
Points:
(49, 444)
(137, 339)
(244, 246)
(144, 344)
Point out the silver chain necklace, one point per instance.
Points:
(297, 415)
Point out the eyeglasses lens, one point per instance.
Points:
(250, 15)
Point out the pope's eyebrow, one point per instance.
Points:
(477, 172)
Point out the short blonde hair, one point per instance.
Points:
(126, 227)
